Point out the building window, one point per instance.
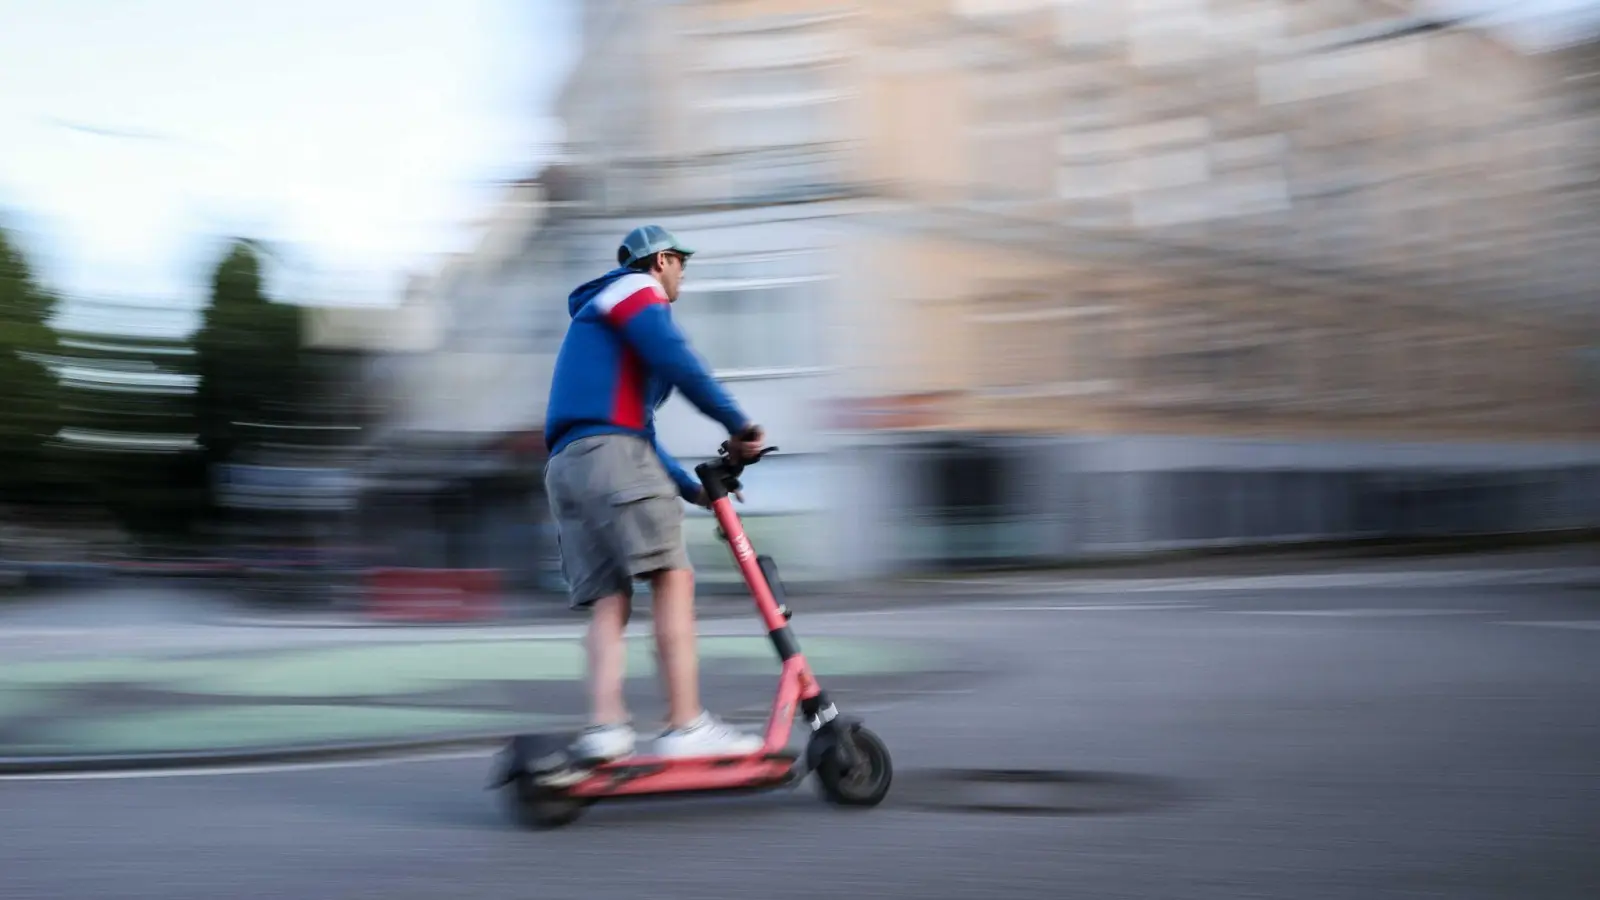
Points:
(785, 172)
(780, 123)
(755, 312)
(772, 105)
(762, 85)
(1041, 347)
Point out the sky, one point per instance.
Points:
(362, 134)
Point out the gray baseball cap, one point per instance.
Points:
(648, 239)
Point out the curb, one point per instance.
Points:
(912, 594)
(717, 608)
(214, 759)
(352, 622)
(1417, 578)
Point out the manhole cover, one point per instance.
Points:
(1033, 792)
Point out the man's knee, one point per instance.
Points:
(672, 596)
(612, 607)
(671, 590)
(671, 577)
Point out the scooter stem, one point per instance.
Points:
(749, 566)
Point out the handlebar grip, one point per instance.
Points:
(738, 464)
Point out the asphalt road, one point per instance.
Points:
(1327, 743)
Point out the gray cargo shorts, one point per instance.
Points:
(618, 515)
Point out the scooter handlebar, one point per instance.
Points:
(736, 466)
(720, 477)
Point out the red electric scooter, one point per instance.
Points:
(548, 788)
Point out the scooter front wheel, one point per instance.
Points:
(854, 769)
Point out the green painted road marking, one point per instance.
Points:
(15, 704)
(85, 671)
(254, 726)
(363, 671)
(403, 668)
(414, 668)
(393, 669)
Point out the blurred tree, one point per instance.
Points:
(143, 464)
(248, 359)
(30, 415)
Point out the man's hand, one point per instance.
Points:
(746, 445)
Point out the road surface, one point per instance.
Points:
(1328, 743)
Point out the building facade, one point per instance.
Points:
(457, 372)
(1035, 280)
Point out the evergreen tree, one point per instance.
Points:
(30, 415)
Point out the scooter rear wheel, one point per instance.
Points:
(858, 776)
(539, 807)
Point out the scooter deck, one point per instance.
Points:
(544, 758)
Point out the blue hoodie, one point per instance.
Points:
(619, 362)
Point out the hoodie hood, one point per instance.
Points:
(583, 293)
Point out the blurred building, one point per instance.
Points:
(1038, 280)
(458, 372)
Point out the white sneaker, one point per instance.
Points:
(707, 736)
(603, 744)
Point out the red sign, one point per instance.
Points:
(433, 594)
(899, 411)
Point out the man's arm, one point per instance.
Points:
(636, 306)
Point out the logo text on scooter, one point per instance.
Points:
(741, 548)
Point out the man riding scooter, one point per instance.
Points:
(615, 494)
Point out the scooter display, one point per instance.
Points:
(548, 788)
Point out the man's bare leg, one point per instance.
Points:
(673, 593)
(692, 731)
(608, 659)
